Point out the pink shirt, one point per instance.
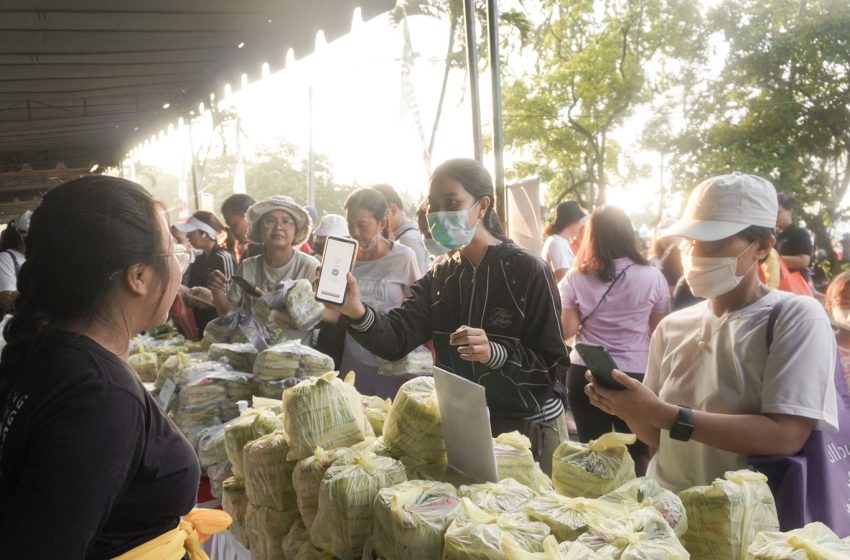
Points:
(621, 322)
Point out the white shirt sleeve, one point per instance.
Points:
(413, 240)
(557, 252)
(799, 376)
(8, 278)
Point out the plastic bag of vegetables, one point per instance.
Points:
(234, 502)
(323, 412)
(645, 492)
(240, 356)
(376, 410)
(478, 535)
(413, 428)
(551, 551)
(248, 427)
(267, 473)
(814, 541)
(515, 460)
(644, 534)
(348, 491)
(411, 519)
(417, 362)
(725, 517)
(570, 517)
(144, 364)
(499, 497)
(307, 479)
(595, 468)
(265, 529)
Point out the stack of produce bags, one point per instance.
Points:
(235, 503)
(569, 518)
(515, 460)
(593, 469)
(344, 521)
(411, 519)
(251, 425)
(725, 517)
(413, 428)
(172, 369)
(286, 360)
(209, 396)
(307, 479)
(144, 363)
(814, 541)
(228, 328)
(419, 361)
(212, 456)
(323, 412)
(272, 507)
(291, 310)
(376, 410)
(478, 535)
(645, 492)
(506, 496)
(642, 534)
(240, 356)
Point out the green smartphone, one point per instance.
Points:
(600, 363)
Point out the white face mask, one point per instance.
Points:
(710, 277)
(841, 317)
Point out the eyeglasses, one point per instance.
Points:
(182, 255)
(270, 222)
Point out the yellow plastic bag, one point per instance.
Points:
(323, 412)
(815, 541)
(266, 528)
(506, 496)
(570, 517)
(593, 469)
(724, 518)
(144, 364)
(551, 551)
(478, 535)
(267, 473)
(307, 479)
(344, 520)
(234, 502)
(643, 535)
(515, 460)
(411, 519)
(645, 492)
(413, 427)
(248, 427)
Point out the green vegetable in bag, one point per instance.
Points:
(593, 469)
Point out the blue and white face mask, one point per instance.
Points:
(451, 229)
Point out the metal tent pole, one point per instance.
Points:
(496, 81)
(472, 68)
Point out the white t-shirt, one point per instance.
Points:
(8, 274)
(301, 265)
(557, 253)
(411, 238)
(721, 364)
(384, 284)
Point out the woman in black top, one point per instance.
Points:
(202, 230)
(490, 307)
(89, 465)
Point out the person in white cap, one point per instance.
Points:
(202, 231)
(12, 251)
(281, 225)
(332, 224)
(715, 390)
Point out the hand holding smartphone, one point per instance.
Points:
(337, 262)
(600, 363)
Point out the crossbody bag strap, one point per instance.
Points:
(610, 287)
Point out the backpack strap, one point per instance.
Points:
(771, 321)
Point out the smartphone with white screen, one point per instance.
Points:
(337, 261)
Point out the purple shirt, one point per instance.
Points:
(621, 322)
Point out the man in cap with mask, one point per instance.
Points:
(715, 391)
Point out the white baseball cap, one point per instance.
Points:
(332, 224)
(725, 205)
(23, 221)
(194, 224)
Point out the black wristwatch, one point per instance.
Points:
(684, 426)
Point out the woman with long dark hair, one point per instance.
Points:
(611, 297)
(90, 467)
(491, 309)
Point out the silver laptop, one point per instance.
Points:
(466, 426)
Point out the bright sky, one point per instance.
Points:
(359, 120)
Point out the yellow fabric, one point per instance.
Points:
(193, 530)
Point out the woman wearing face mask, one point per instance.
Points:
(490, 308)
(714, 393)
(384, 271)
(281, 226)
(611, 297)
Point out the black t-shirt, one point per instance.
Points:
(89, 465)
(199, 271)
(794, 241)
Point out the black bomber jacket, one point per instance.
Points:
(512, 296)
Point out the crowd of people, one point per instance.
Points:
(703, 391)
